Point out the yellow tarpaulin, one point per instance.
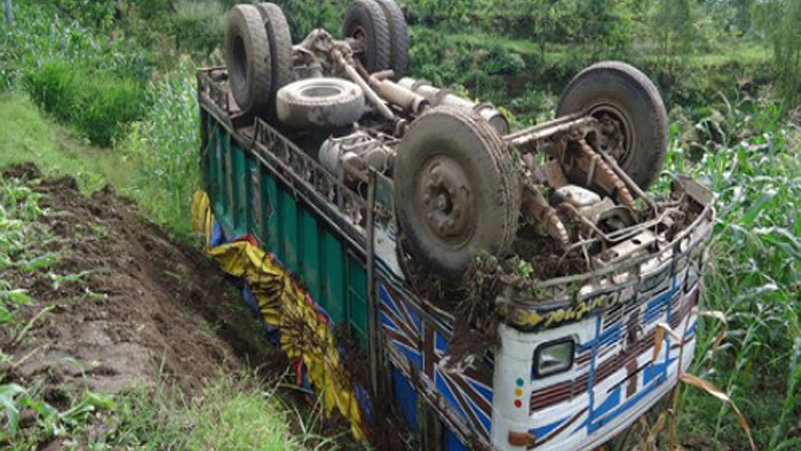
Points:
(305, 333)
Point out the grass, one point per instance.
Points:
(156, 164)
(749, 155)
(27, 135)
(99, 105)
(232, 413)
(238, 412)
(166, 147)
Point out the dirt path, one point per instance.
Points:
(122, 304)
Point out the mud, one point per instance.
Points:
(123, 305)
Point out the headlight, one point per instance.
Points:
(554, 357)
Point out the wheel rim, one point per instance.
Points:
(445, 199)
(360, 34)
(618, 131)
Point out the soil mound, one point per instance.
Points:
(119, 303)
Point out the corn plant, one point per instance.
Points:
(167, 144)
(748, 154)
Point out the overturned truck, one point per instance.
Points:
(414, 218)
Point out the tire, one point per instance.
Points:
(365, 21)
(248, 59)
(398, 37)
(450, 157)
(620, 91)
(277, 29)
(320, 103)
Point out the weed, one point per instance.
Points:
(14, 399)
(98, 105)
(198, 26)
(236, 413)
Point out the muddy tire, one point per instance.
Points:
(320, 103)
(398, 37)
(619, 91)
(247, 57)
(456, 192)
(365, 21)
(277, 29)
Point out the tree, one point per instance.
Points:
(780, 18)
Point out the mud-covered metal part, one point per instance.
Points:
(572, 135)
(534, 206)
(585, 166)
(438, 96)
(539, 137)
(398, 95)
(347, 67)
(578, 196)
(686, 186)
(636, 246)
(358, 151)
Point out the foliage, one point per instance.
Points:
(98, 105)
(39, 35)
(166, 145)
(237, 412)
(198, 26)
(27, 136)
(781, 19)
(749, 156)
(305, 15)
(90, 12)
(49, 421)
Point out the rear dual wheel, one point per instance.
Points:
(381, 28)
(622, 97)
(258, 56)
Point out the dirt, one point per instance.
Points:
(123, 305)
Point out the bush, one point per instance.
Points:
(501, 61)
(199, 26)
(93, 13)
(98, 104)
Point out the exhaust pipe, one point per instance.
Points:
(437, 96)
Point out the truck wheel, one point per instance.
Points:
(620, 92)
(398, 37)
(248, 59)
(456, 191)
(320, 103)
(365, 21)
(280, 40)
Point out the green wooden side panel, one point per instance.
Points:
(218, 157)
(267, 226)
(242, 188)
(288, 222)
(239, 177)
(252, 196)
(357, 300)
(271, 213)
(310, 240)
(333, 277)
(225, 185)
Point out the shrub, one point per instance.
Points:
(501, 61)
(98, 104)
(198, 26)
